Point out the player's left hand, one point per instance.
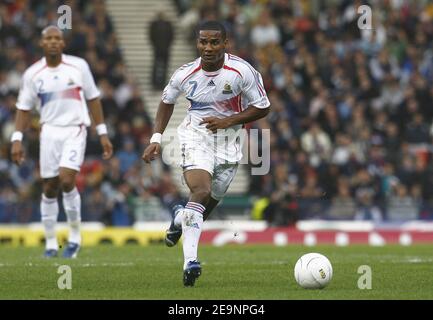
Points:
(107, 147)
(214, 123)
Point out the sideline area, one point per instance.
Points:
(221, 232)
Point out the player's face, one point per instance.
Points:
(52, 42)
(211, 46)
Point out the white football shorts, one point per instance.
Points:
(198, 152)
(61, 147)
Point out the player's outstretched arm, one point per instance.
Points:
(95, 109)
(163, 116)
(22, 120)
(248, 115)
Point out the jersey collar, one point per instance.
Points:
(44, 60)
(217, 72)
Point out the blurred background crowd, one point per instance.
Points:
(351, 119)
(117, 192)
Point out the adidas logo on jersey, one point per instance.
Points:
(211, 84)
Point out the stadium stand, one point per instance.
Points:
(120, 191)
(350, 123)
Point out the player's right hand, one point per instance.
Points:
(151, 152)
(17, 152)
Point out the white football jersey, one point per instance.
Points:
(221, 93)
(59, 93)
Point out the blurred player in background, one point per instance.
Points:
(58, 85)
(225, 92)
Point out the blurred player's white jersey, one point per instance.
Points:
(221, 93)
(59, 93)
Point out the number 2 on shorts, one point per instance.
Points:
(73, 156)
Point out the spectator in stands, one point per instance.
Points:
(265, 32)
(366, 209)
(127, 156)
(343, 150)
(343, 206)
(401, 205)
(417, 131)
(161, 36)
(311, 202)
(118, 205)
(317, 144)
(96, 207)
(148, 207)
(282, 208)
(392, 142)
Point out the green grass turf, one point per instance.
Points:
(229, 272)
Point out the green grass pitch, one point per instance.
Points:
(229, 272)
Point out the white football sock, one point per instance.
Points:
(191, 228)
(178, 219)
(49, 214)
(72, 205)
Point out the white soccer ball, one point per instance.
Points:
(313, 271)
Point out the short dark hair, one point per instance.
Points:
(213, 25)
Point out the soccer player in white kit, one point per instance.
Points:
(225, 92)
(59, 85)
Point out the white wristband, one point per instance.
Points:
(17, 136)
(156, 137)
(101, 129)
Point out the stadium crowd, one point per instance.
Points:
(117, 192)
(351, 117)
(350, 122)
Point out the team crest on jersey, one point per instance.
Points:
(70, 82)
(227, 89)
